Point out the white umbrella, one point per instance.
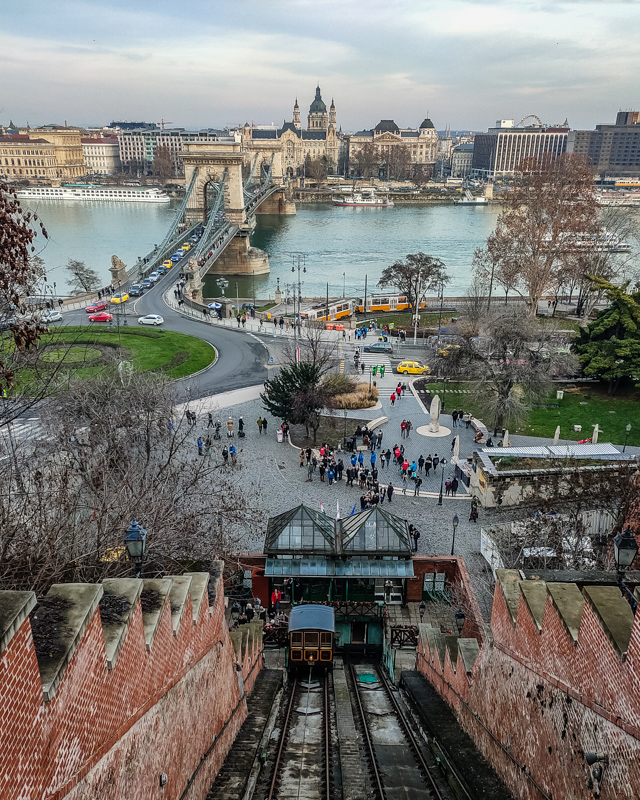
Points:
(456, 450)
(214, 305)
(594, 438)
(505, 439)
(557, 435)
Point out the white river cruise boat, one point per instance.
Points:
(365, 197)
(83, 191)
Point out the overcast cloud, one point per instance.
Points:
(216, 63)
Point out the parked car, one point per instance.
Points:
(151, 319)
(5, 324)
(379, 347)
(100, 305)
(412, 368)
(135, 290)
(101, 317)
(122, 297)
(51, 316)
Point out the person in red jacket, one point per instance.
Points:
(275, 600)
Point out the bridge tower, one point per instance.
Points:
(212, 160)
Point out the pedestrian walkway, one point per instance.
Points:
(26, 430)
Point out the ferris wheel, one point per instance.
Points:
(534, 117)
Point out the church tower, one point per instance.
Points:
(332, 115)
(318, 118)
(296, 115)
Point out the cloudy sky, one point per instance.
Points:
(216, 62)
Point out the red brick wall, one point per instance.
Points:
(109, 734)
(535, 702)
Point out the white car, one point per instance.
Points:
(154, 276)
(51, 316)
(151, 319)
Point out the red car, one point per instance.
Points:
(101, 317)
(99, 306)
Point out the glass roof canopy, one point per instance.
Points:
(354, 567)
(374, 532)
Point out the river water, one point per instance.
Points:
(340, 244)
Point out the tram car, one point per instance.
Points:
(337, 310)
(311, 636)
(384, 302)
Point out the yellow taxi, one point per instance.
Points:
(186, 247)
(450, 348)
(412, 368)
(122, 297)
(167, 264)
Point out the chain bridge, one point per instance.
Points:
(220, 206)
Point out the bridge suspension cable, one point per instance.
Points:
(180, 212)
(211, 220)
(249, 180)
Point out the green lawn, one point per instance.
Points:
(585, 405)
(406, 320)
(176, 354)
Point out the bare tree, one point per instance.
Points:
(82, 277)
(162, 165)
(110, 455)
(367, 161)
(548, 217)
(415, 276)
(312, 347)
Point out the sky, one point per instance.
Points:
(213, 63)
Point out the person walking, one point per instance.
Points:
(373, 458)
(276, 597)
(331, 475)
(321, 470)
(260, 425)
(209, 420)
(427, 465)
(309, 472)
(409, 426)
(360, 459)
(421, 463)
(389, 492)
(436, 461)
(399, 391)
(418, 484)
(388, 456)
(302, 458)
(230, 427)
(447, 488)
(264, 425)
(454, 419)
(383, 459)
(241, 426)
(225, 454)
(393, 398)
(473, 516)
(403, 428)
(200, 446)
(454, 487)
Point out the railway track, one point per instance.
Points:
(397, 762)
(303, 765)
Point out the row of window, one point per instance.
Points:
(29, 162)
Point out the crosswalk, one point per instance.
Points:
(371, 360)
(25, 430)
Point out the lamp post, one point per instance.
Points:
(626, 436)
(443, 464)
(344, 438)
(344, 288)
(625, 550)
(135, 541)
(237, 299)
(460, 618)
(455, 521)
(299, 262)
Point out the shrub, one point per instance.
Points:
(338, 384)
(361, 397)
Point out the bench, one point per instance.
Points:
(477, 425)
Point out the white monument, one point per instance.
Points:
(434, 413)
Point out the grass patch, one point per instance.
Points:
(360, 397)
(265, 307)
(72, 355)
(405, 320)
(176, 354)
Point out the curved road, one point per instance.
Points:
(241, 357)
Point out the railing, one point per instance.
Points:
(404, 636)
(225, 234)
(276, 637)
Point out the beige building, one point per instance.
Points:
(319, 140)
(101, 155)
(67, 142)
(421, 143)
(23, 158)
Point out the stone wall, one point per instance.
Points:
(555, 677)
(103, 706)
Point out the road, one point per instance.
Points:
(241, 360)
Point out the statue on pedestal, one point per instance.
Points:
(434, 413)
(118, 271)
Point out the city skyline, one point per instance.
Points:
(466, 63)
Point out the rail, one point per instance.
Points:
(367, 736)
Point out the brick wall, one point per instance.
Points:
(172, 698)
(558, 678)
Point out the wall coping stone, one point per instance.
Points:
(614, 613)
(469, 650)
(114, 632)
(15, 607)
(198, 590)
(452, 646)
(535, 597)
(568, 601)
(180, 590)
(83, 599)
(440, 643)
(151, 619)
(509, 582)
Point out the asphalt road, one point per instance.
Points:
(241, 360)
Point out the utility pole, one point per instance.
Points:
(364, 304)
(416, 310)
(327, 315)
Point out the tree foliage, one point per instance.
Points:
(415, 276)
(609, 348)
(548, 215)
(296, 395)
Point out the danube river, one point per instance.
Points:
(340, 244)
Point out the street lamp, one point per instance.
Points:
(443, 464)
(344, 440)
(301, 264)
(625, 548)
(135, 541)
(460, 618)
(626, 436)
(455, 521)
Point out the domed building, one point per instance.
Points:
(319, 141)
(420, 145)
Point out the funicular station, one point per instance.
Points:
(360, 565)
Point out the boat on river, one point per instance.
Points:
(87, 191)
(365, 198)
(469, 199)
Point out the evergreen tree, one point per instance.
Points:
(296, 396)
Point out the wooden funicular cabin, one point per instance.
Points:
(357, 564)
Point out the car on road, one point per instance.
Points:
(161, 270)
(379, 347)
(448, 349)
(100, 305)
(177, 256)
(186, 247)
(248, 306)
(147, 284)
(135, 290)
(5, 324)
(151, 319)
(101, 317)
(412, 368)
(168, 263)
(121, 297)
(154, 277)
(51, 316)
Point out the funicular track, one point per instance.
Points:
(303, 762)
(397, 763)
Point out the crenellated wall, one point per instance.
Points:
(557, 675)
(104, 688)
